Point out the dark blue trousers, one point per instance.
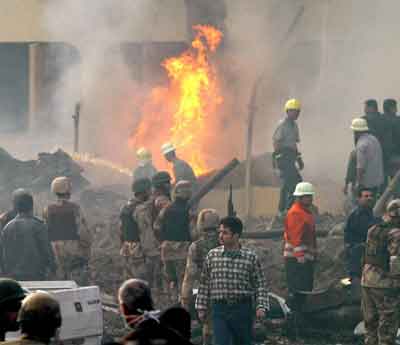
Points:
(233, 323)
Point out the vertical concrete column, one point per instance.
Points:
(33, 80)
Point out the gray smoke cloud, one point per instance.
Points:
(106, 78)
(331, 54)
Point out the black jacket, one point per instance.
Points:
(25, 249)
(357, 225)
(175, 222)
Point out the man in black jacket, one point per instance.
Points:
(26, 252)
(175, 238)
(356, 230)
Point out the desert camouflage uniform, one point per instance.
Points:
(134, 266)
(381, 293)
(72, 255)
(145, 215)
(198, 251)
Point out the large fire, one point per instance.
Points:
(184, 112)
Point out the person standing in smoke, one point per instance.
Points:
(286, 155)
(182, 169)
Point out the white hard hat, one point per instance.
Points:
(359, 125)
(61, 185)
(304, 188)
(167, 148)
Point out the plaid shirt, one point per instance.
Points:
(232, 275)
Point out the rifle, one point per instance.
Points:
(231, 207)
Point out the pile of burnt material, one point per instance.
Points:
(36, 175)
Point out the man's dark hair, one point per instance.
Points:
(24, 203)
(360, 190)
(234, 224)
(135, 295)
(388, 104)
(372, 103)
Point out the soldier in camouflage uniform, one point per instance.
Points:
(69, 234)
(207, 224)
(145, 216)
(175, 238)
(129, 232)
(381, 279)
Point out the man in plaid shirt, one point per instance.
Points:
(232, 279)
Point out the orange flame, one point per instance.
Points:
(183, 113)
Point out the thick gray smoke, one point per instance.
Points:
(106, 78)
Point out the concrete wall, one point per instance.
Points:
(23, 21)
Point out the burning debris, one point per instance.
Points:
(186, 111)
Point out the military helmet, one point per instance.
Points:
(141, 185)
(61, 185)
(183, 190)
(207, 219)
(40, 308)
(161, 178)
(393, 208)
(10, 290)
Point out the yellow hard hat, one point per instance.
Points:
(359, 125)
(61, 185)
(292, 104)
(167, 148)
(304, 188)
(143, 154)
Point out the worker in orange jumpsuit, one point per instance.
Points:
(300, 245)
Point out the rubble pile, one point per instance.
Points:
(36, 175)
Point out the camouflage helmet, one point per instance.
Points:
(10, 290)
(61, 185)
(160, 178)
(183, 190)
(393, 208)
(141, 185)
(40, 309)
(208, 219)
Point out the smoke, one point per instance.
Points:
(323, 52)
(330, 54)
(107, 77)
